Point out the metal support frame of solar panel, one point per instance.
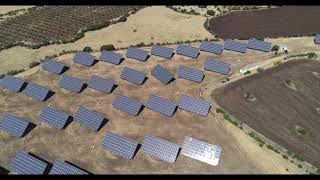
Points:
(84, 58)
(119, 145)
(24, 163)
(235, 46)
(111, 57)
(317, 39)
(53, 117)
(133, 75)
(162, 51)
(137, 54)
(127, 104)
(161, 105)
(160, 149)
(88, 118)
(71, 83)
(194, 105)
(101, 84)
(188, 51)
(259, 45)
(211, 47)
(191, 74)
(13, 125)
(201, 151)
(53, 66)
(36, 91)
(216, 66)
(162, 74)
(61, 167)
(12, 83)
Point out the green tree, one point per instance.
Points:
(87, 49)
(108, 47)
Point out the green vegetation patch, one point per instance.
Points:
(302, 131)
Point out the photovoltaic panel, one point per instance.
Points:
(162, 74)
(12, 83)
(235, 46)
(190, 74)
(217, 66)
(127, 104)
(317, 39)
(13, 125)
(36, 91)
(186, 50)
(61, 167)
(160, 149)
(71, 83)
(194, 105)
(162, 51)
(88, 118)
(53, 117)
(84, 58)
(101, 84)
(138, 54)
(24, 163)
(211, 47)
(133, 76)
(53, 66)
(111, 57)
(161, 105)
(119, 145)
(259, 45)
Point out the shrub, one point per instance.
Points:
(247, 72)
(2, 76)
(108, 47)
(259, 38)
(270, 147)
(312, 55)
(202, 6)
(123, 19)
(260, 69)
(218, 110)
(275, 48)
(299, 165)
(211, 12)
(277, 63)
(33, 64)
(285, 157)
(87, 49)
(135, 30)
(14, 72)
(298, 157)
(183, 10)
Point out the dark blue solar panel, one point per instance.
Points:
(161, 105)
(138, 54)
(84, 58)
(259, 45)
(88, 118)
(53, 66)
(317, 39)
(101, 84)
(36, 91)
(216, 66)
(127, 104)
(186, 50)
(190, 74)
(110, 57)
(235, 46)
(24, 163)
(12, 83)
(54, 118)
(13, 125)
(71, 83)
(162, 74)
(162, 51)
(211, 47)
(194, 105)
(133, 76)
(61, 167)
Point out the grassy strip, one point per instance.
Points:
(227, 117)
(309, 55)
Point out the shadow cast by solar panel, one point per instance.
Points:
(49, 166)
(198, 54)
(94, 62)
(79, 167)
(178, 154)
(147, 58)
(136, 151)
(23, 87)
(173, 79)
(171, 56)
(65, 68)
(104, 121)
(175, 110)
(29, 128)
(50, 94)
(140, 110)
(144, 80)
(68, 122)
(113, 88)
(203, 78)
(121, 60)
(85, 85)
(4, 171)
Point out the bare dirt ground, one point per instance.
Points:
(5, 9)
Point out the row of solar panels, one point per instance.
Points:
(317, 39)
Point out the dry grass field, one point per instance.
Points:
(6, 9)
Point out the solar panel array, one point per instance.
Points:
(24, 163)
(13, 125)
(53, 66)
(162, 51)
(201, 151)
(194, 105)
(186, 50)
(216, 66)
(12, 83)
(127, 104)
(191, 74)
(161, 105)
(101, 84)
(111, 57)
(162, 74)
(61, 167)
(133, 76)
(119, 145)
(235, 46)
(88, 118)
(160, 149)
(84, 58)
(36, 91)
(211, 47)
(71, 83)
(54, 118)
(259, 45)
(138, 54)
(317, 39)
